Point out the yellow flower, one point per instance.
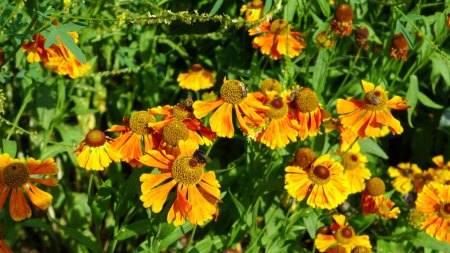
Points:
(343, 238)
(323, 183)
(403, 175)
(196, 79)
(233, 94)
(95, 153)
(17, 175)
(278, 39)
(197, 192)
(253, 11)
(57, 57)
(434, 203)
(366, 117)
(356, 172)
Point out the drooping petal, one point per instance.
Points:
(156, 197)
(38, 197)
(18, 206)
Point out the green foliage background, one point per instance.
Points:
(137, 49)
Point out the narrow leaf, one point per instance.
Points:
(9, 147)
(370, 146)
(136, 228)
(51, 38)
(216, 7)
(69, 42)
(426, 101)
(411, 96)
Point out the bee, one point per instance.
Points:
(200, 156)
(372, 99)
(244, 90)
(187, 104)
(294, 93)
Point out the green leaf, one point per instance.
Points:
(370, 146)
(39, 224)
(400, 28)
(311, 224)
(412, 96)
(238, 204)
(82, 239)
(324, 7)
(69, 42)
(444, 122)
(71, 27)
(289, 10)
(100, 203)
(216, 7)
(267, 6)
(51, 38)
(320, 69)
(174, 235)
(209, 244)
(426, 101)
(426, 241)
(10, 147)
(136, 228)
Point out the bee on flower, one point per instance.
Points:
(57, 57)
(342, 238)
(196, 79)
(17, 175)
(233, 94)
(253, 10)
(367, 117)
(95, 152)
(197, 191)
(278, 39)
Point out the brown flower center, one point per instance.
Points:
(270, 84)
(319, 175)
(345, 235)
(186, 170)
(361, 249)
(278, 110)
(180, 114)
(350, 161)
(95, 138)
(375, 100)
(139, 122)
(343, 12)
(174, 132)
(257, 4)
(306, 100)
(375, 186)
(233, 91)
(445, 210)
(304, 157)
(196, 67)
(278, 26)
(15, 175)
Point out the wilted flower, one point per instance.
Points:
(399, 47)
(342, 23)
(361, 35)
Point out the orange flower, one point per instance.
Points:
(342, 23)
(196, 79)
(366, 117)
(233, 94)
(253, 11)
(280, 130)
(278, 39)
(343, 238)
(373, 201)
(95, 152)
(179, 123)
(4, 248)
(307, 110)
(16, 175)
(361, 35)
(403, 175)
(57, 57)
(399, 47)
(133, 136)
(356, 172)
(197, 192)
(323, 182)
(434, 203)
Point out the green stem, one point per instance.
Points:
(192, 237)
(25, 102)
